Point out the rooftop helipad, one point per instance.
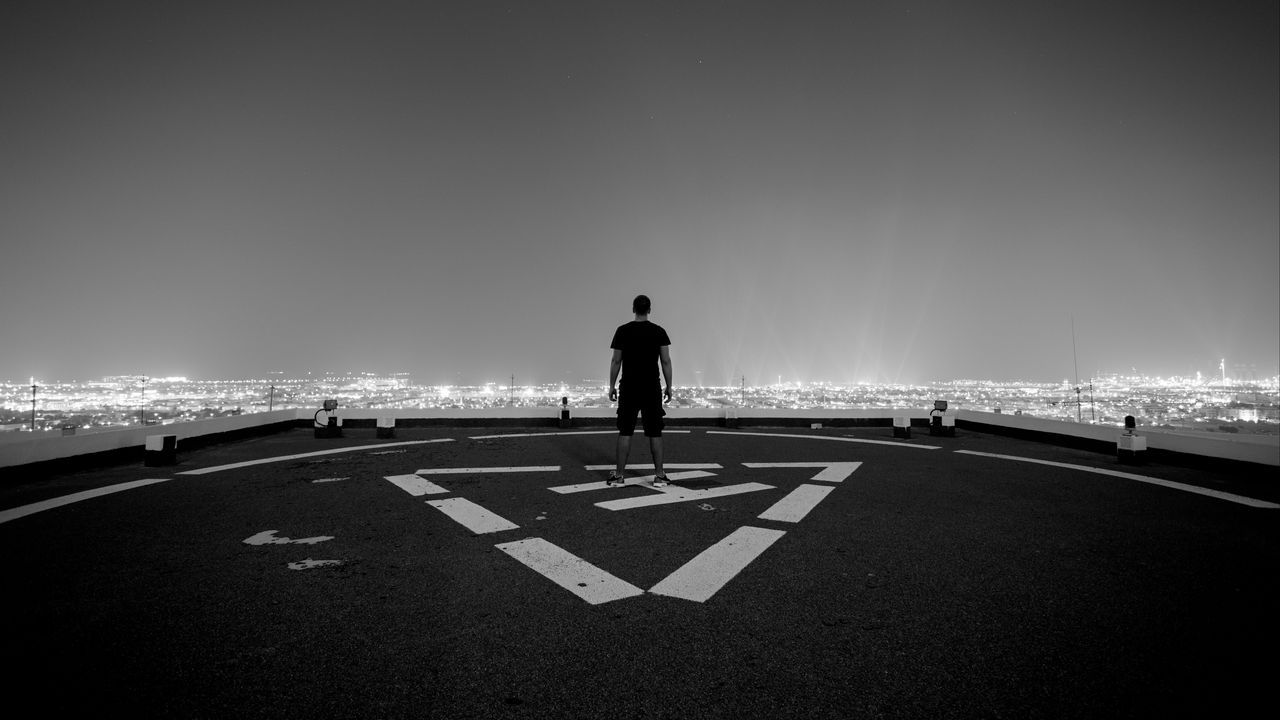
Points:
(489, 572)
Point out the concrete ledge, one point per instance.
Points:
(128, 444)
(47, 452)
(605, 417)
(1162, 445)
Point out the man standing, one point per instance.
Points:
(639, 347)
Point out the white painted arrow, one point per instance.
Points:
(831, 471)
(268, 537)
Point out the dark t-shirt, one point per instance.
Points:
(640, 341)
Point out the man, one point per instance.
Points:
(638, 348)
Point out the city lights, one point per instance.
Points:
(1194, 403)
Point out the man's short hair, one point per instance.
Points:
(640, 305)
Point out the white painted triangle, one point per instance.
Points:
(488, 470)
(638, 480)
(831, 471)
(669, 496)
(797, 503)
(415, 485)
(713, 568)
(665, 466)
(570, 571)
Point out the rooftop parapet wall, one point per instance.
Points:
(45, 448)
(361, 417)
(1264, 450)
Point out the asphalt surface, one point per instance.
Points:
(926, 584)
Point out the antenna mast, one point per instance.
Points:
(1076, 363)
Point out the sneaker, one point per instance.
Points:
(615, 479)
(660, 481)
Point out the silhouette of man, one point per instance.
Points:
(638, 348)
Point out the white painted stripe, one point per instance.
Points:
(1242, 500)
(665, 466)
(15, 513)
(269, 537)
(827, 437)
(570, 571)
(472, 516)
(832, 472)
(554, 434)
(416, 486)
(677, 494)
(797, 503)
(488, 470)
(542, 434)
(282, 458)
(638, 480)
(703, 576)
(309, 563)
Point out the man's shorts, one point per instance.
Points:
(650, 410)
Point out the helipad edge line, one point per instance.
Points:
(23, 511)
(487, 470)
(282, 458)
(1240, 499)
(554, 434)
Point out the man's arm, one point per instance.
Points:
(664, 353)
(614, 366)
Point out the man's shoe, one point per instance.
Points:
(615, 479)
(660, 481)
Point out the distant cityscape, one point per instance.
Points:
(1218, 404)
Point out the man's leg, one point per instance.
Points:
(655, 448)
(624, 450)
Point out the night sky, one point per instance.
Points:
(843, 191)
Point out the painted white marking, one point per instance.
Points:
(268, 537)
(570, 571)
(828, 437)
(703, 576)
(416, 486)
(1240, 499)
(488, 470)
(23, 511)
(554, 434)
(645, 480)
(472, 516)
(832, 472)
(665, 466)
(309, 563)
(675, 494)
(329, 480)
(544, 434)
(332, 451)
(797, 503)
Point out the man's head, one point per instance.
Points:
(640, 305)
